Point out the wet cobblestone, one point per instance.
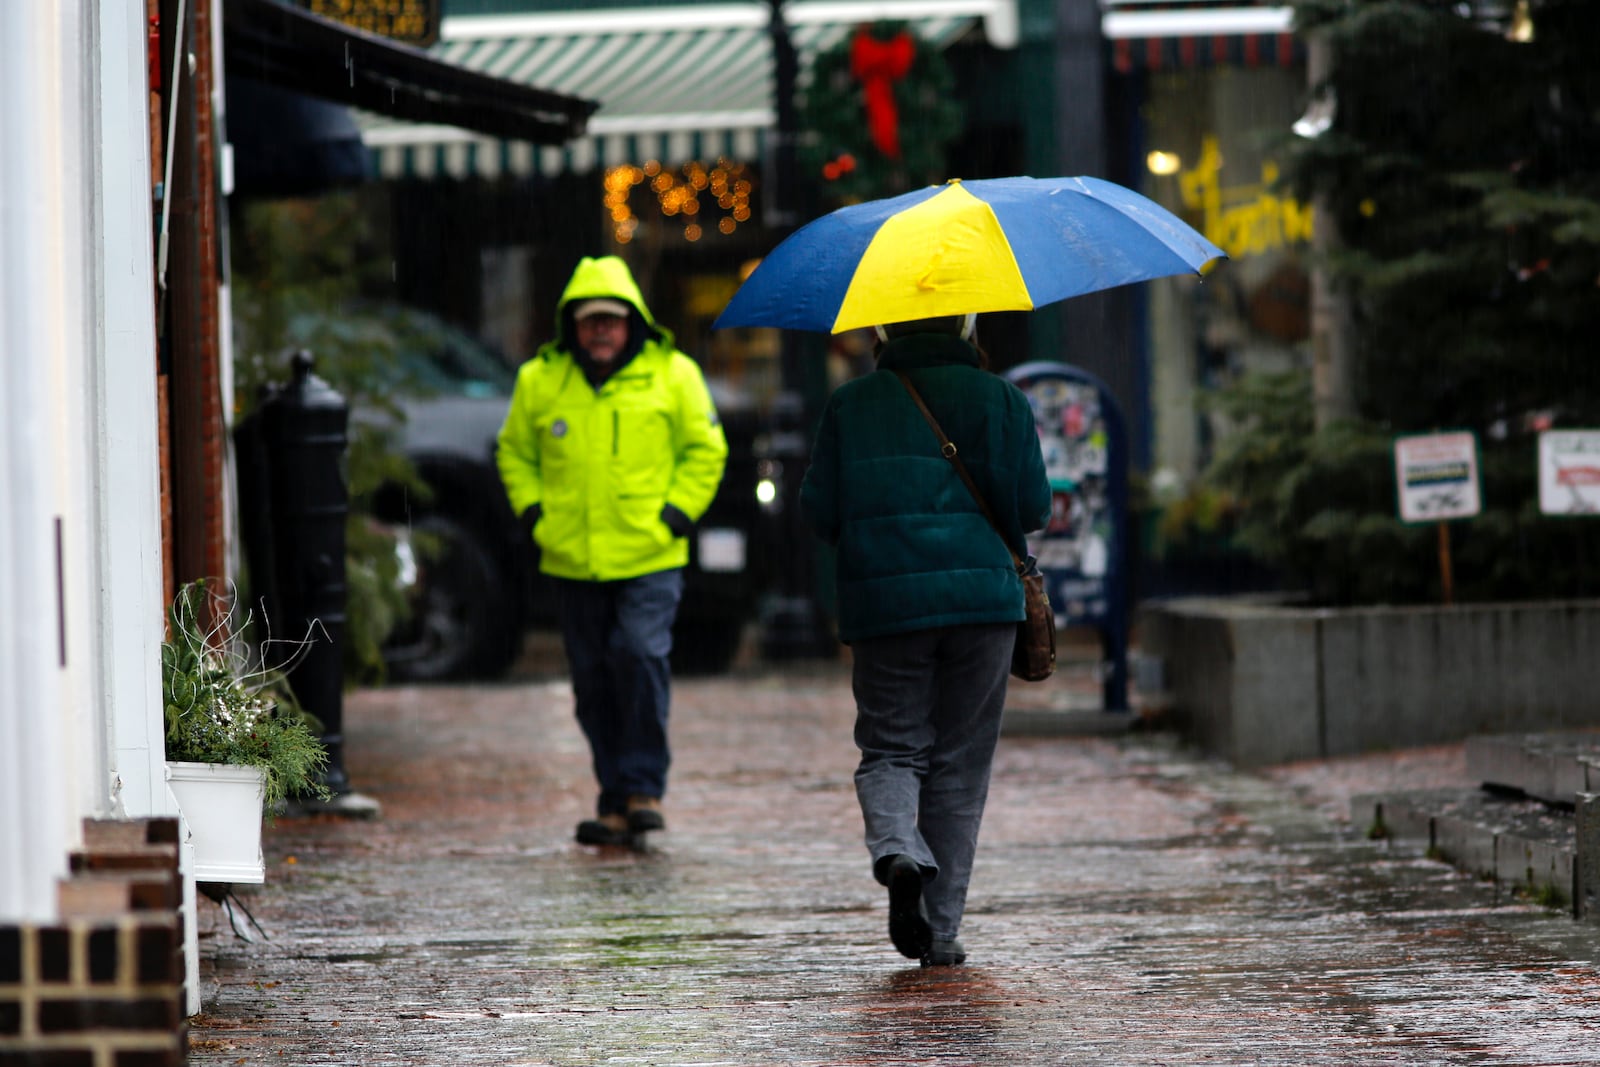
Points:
(1132, 903)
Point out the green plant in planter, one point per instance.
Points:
(222, 707)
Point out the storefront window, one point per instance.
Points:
(743, 359)
(1213, 137)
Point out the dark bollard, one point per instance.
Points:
(294, 502)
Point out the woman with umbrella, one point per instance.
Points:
(929, 601)
(928, 594)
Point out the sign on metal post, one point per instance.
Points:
(1437, 476)
(1080, 552)
(1569, 472)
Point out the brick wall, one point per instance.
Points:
(194, 419)
(214, 442)
(104, 986)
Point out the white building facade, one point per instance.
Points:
(80, 540)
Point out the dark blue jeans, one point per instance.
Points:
(618, 636)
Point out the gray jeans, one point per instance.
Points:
(928, 706)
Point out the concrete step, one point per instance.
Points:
(1546, 852)
(1553, 766)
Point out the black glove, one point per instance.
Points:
(676, 521)
(529, 519)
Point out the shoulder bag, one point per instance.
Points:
(1033, 658)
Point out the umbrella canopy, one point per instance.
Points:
(997, 244)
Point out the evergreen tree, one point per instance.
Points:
(1462, 171)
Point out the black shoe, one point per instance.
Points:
(908, 915)
(606, 830)
(944, 954)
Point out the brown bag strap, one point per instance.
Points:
(947, 449)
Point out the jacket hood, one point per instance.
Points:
(602, 277)
(927, 350)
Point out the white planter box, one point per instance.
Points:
(222, 805)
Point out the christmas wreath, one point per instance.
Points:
(878, 114)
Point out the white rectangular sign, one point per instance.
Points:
(722, 550)
(1437, 476)
(1569, 472)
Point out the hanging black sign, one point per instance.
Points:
(413, 22)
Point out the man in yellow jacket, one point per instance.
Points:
(610, 453)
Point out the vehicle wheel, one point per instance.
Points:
(705, 646)
(462, 623)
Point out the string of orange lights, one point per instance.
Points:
(688, 193)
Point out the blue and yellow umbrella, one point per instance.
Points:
(997, 244)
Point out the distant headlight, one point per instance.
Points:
(766, 491)
(406, 558)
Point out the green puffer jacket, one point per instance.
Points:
(914, 551)
(602, 463)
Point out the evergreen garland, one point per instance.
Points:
(837, 150)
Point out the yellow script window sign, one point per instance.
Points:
(413, 22)
(1242, 220)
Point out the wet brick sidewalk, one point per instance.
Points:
(1132, 904)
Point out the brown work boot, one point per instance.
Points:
(609, 829)
(644, 813)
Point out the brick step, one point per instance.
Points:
(146, 858)
(105, 982)
(124, 866)
(128, 834)
(106, 894)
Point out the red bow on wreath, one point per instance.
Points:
(877, 65)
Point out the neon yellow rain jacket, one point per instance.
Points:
(601, 463)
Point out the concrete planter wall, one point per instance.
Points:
(1257, 683)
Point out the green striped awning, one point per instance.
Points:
(674, 83)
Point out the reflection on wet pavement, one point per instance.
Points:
(1132, 904)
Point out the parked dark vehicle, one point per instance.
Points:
(475, 597)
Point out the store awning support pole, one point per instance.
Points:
(783, 215)
(791, 622)
(178, 53)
